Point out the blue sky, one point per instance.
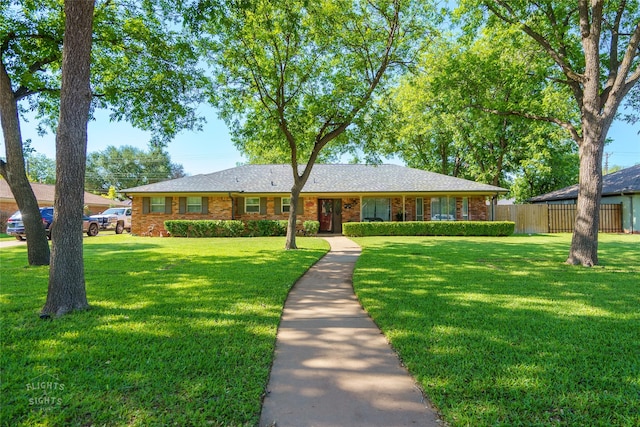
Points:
(211, 150)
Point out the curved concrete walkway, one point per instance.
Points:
(333, 366)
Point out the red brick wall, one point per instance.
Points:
(219, 208)
(350, 209)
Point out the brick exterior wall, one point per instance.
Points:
(221, 208)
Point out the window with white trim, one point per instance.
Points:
(194, 204)
(252, 205)
(156, 204)
(286, 204)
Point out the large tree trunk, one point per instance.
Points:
(584, 243)
(66, 275)
(14, 173)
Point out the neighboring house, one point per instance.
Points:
(621, 187)
(333, 194)
(44, 195)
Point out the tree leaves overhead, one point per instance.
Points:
(143, 68)
(300, 70)
(443, 117)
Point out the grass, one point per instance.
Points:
(5, 236)
(499, 331)
(181, 332)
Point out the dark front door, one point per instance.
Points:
(326, 214)
(329, 215)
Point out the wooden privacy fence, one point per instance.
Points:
(556, 218)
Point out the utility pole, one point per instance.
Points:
(606, 163)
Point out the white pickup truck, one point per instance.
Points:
(118, 219)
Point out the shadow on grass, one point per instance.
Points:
(179, 333)
(502, 332)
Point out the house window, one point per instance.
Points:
(376, 209)
(286, 204)
(194, 204)
(419, 209)
(156, 204)
(465, 208)
(252, 205)
(443, 208)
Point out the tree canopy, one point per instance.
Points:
(594, 47)
(126, 167)
(296, 78)
(441, 117)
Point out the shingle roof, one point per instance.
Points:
(45, 194)
(323, 179)
(625, 181)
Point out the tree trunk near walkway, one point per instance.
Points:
(14, 173)
(67, 290)
(293, 218)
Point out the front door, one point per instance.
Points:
(326, 214)
(329, 215)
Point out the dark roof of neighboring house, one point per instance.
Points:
(625, 181)
(45, 194)
(323, 179)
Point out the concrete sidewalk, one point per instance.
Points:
(333, 366)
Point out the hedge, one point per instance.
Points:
(204, 228)
(429, 228)
(233, 228)
(265, 227)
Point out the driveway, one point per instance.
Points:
(9, 243)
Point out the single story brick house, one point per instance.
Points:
(333, 194)
(621, 187)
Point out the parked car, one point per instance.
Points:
(90, 226)
(15, 225)
(117, 219)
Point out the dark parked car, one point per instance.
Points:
(15, 226)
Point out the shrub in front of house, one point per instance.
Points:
(429, 228)
(265, 227)
(311, 227)
(204, 228)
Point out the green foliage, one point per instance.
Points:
(142, 69)
(204, 228)
(443, 118)
(226, 228)
(127, 167)
(498, 332)
(429, 228)
(311, 227)
(265, 227)
(40, 168)
(300, 72)
(180, 332)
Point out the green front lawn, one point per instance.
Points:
(498, 331)
(5, 236)
(181, 332)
